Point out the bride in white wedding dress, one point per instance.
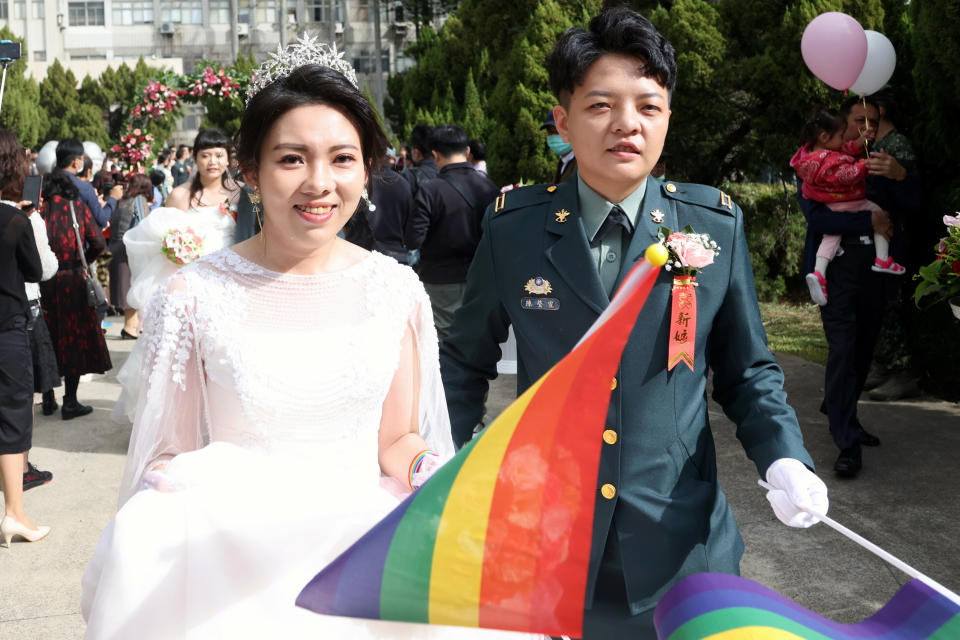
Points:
(284, 382)
(199, 217)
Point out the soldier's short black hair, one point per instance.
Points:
(617, 30)
(448, 139)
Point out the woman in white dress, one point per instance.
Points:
(286, 380)
(199, 218)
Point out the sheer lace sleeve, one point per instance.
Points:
(434, 420)
(170, 413)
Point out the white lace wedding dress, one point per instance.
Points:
(263, 392)
(149, 266)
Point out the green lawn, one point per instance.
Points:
(795, 329)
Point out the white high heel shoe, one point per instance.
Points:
(10, 527)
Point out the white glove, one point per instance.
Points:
(795, 490)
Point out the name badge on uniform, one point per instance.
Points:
(540, 304)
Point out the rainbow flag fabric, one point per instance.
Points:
(500, 536)
(725, 607)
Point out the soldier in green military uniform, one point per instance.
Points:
(549, 260)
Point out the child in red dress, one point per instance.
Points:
(834, 175)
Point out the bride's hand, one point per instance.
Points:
(158, 480)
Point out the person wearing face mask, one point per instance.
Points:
(567, 163)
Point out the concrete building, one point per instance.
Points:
(88, 35)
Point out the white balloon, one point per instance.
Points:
(879, 66)
(92, 149)
(47, 157)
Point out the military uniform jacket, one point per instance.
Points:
(668, 511)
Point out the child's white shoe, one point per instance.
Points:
(888, 266)
(818, 287)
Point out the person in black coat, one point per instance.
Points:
(444, 223)
(392, 197)
(19, 263)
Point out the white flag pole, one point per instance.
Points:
(869, 546)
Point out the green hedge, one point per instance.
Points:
(775, 229)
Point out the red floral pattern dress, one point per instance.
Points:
(831, 176)
(74, 326)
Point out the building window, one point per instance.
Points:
(324, 10)
(39, 56)
(362, 11)
(268, 12)
(243, 11)
(133, 12)
(37, 9)
(219, 11)
(365, 61)
(4, 10)
(185, 12)
(83, 14)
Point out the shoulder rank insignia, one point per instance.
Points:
(562, 215)
(726, 201)
(538, 286)
(499, 202)
(551, 188)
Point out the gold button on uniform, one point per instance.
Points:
(671, 187)
(551, 188)
(610, 436)
(613, 384)
(608, 491)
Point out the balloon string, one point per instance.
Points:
(866, 119)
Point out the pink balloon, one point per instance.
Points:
(834, 46)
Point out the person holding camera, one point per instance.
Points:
(70, 161)
(19, 263)
(73, 323)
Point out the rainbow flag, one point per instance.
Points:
(725, 607)
(500, 536)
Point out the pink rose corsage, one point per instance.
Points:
(689, 252)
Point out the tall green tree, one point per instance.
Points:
(58, 93)
(21, 111)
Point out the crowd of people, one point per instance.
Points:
(313, 302)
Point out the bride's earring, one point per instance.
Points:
(366, 198)
(255, 200)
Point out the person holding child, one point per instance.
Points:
(832, 173)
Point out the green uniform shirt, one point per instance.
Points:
(594, 208)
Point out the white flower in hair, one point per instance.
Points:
(306, 50)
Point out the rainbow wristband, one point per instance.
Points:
(415, 465)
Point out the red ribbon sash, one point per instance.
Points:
(683, 322)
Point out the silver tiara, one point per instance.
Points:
(306, 50)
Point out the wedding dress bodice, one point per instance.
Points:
(288, 364)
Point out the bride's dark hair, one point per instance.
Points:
(315, 84)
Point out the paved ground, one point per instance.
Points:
(907, 500)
